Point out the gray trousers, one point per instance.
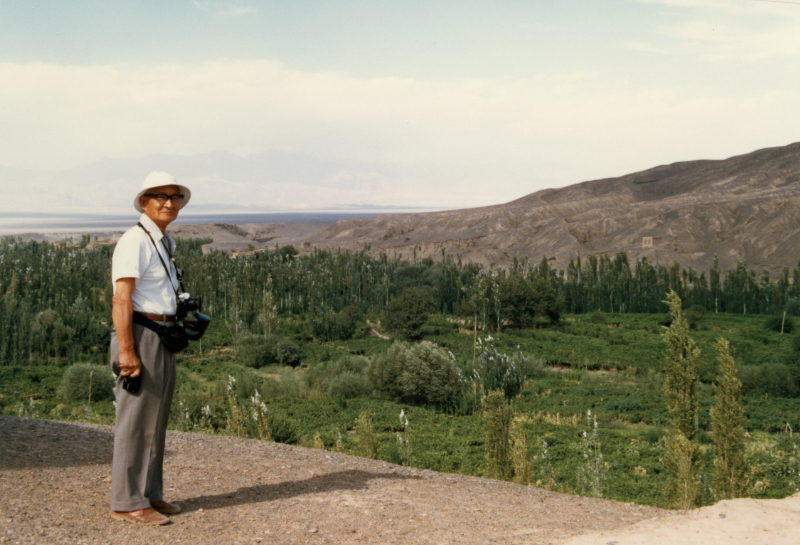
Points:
(141, 426)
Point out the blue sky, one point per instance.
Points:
(460, 103)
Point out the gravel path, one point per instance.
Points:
(54, 488)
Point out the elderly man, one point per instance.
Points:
(145, 281)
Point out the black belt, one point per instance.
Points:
(158, 317)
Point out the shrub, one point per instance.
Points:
(591, 475)
(282, 428)
(247, 382)
(495, 370)
(367, 438)
(694, 316)
(289, 384)
(345, 378)
(774, 323)
(416, 373)
(348, 385)
(793, 307)
(75, 384)
(597, 317)
(235, 424)
(332, 326)
(408, 312)
(191, 401)
(254, 351)
(654, 435)
(287, 352)
(260, 350)
(630, 404)
(770, 378)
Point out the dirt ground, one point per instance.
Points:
(54, 488)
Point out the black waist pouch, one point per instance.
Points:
(173, 336)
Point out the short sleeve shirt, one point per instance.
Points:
(135, 256)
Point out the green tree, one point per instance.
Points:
(498, 416)
(416, 373)
(525, 298)
(367, 438)
(730, 467)
(680, 391)
(409, 311)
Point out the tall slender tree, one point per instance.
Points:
(730, 467)
(680, 391)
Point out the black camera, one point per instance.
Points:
(129, 384)
(187, 305)
(192, 327)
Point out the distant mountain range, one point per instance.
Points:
(225, 182)
(746, 207)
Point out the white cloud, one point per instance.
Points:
(468, 141)
(738, 6)
(725, 30)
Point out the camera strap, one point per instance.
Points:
(169, 275)
(172, 337)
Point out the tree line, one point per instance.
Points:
(56, 297)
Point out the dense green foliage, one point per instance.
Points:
(417, 374)
(260, 350)
(84, 382)
(626, 399)
(565, 350)
(408, 312)
(56, 297)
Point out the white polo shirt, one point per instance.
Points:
(135, 257)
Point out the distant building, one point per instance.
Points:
(649, 242)
(305, 245)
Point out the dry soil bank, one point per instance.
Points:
(54, 487)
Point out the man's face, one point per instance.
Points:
(161, 210)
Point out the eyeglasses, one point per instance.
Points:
(162, 198)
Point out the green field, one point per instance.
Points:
(608, 364)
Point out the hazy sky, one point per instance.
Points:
(473, 102)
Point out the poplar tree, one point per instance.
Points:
(730, 467)
(519, 452)
(680, 391)
(498, 416)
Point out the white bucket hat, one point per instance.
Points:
(158, 179)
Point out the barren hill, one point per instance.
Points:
(742, 207)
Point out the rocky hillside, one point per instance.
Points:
(742, 207)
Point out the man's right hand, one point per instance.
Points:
(129, 364)
(122, 315)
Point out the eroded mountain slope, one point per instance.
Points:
(742, 207)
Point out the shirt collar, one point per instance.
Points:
(151, 227)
